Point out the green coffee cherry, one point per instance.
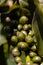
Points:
(31, 33)
(29, 63)
(41, 63)
(21, 36)
(18, 59)
(33, 48)
(15, 52)
(28, 59)
(14, 39)
(29, 39)
(24, 32)
(25, 27)
(29, 26)
(22, 45)
(23, 20)
(19, 27)
(32, 54)
(17, 33)
(36, 59)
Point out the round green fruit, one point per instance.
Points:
(32, 54)
(24, 32)
(29, 26)
(17, 33)
(29, 39)
(29, 63)
(18, 59)
(14, 39)
(21, 36)
(36, 59)
(23, 20)
(15, 52)
(19, 27)
(22, 45)
(28, 59)
(31, 33)
(41, 63)
(25, 27)
(34, 48)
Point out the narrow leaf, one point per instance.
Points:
(23, 57)
(37, 27)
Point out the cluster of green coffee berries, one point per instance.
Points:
(18, 31)
(25, 40)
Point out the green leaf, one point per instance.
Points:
(23, 57)
(39, 7)
(10, 63)
(2, 1)
(10, 60)
(39, 35)
(2, 40)
(40, 11)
